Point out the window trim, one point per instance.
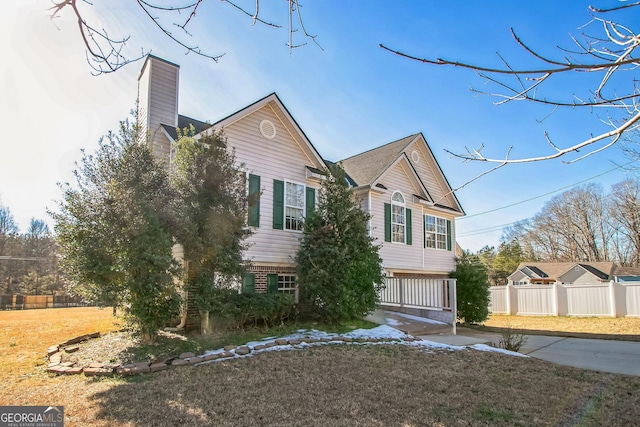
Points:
(284, 205)
(403, 205)
(446, 235)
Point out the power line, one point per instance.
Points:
(546, 194)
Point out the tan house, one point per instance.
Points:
(567, 273)
(412, 206)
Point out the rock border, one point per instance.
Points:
(56, 366)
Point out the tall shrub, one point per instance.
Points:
(339, 268)
(473, 289)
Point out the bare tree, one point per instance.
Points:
(8, 227)
(606, 47)
(624, 211)
(106, 53)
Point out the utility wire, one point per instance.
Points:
(545, 194)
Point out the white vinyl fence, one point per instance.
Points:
(432, 298)
(614, 299)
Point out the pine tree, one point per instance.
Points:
(338, 265)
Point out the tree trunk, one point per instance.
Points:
(206, 323)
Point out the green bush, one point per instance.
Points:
(473, 289)
(241, 310)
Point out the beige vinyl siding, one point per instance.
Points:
(439, 259)
(280, 158)
(425, 168)
(158, 97)
(397, 255)
(408, 257)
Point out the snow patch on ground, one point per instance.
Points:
(383, 331)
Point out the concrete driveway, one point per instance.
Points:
(618, 357)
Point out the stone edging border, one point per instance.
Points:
(56, 366)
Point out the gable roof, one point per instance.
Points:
(594, 271)
(554, 270)
(184, 122)
(366, 168)
(535, 271)
(285, 117)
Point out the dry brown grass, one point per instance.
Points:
(627, 328)
(334, 385)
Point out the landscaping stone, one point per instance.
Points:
(229, 347)
(96, 365)
(187, 355)
(312, 340)
(347, 339)
(325, 339)
(179, 362)
(52, 350)
(67, 364)
(73, 371)
(61, 369)
(195, 360)
(336, 338)
(91, 372)
(213, 356)
(225, 355)
(156, 367)
(57, 357)
(270, 344)
(244, 350)
(373, 339)
(294, 341)
(259, 347)
(281, 341)
(72, 348)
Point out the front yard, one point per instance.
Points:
(331, 385)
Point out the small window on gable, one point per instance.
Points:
(398, 218)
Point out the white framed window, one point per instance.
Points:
(435, 232)
(294, 206)
(287, 283)
(398, 218)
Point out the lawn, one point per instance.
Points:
(331, 385)
(626, 328)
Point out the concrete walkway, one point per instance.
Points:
(618, 357)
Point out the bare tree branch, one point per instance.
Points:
(105, 54)
(612, 52)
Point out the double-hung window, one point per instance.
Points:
(294, 206)
(398, 218)
(437, 233)
(292, 202)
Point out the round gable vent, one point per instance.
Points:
(267, 129)
(415, 156)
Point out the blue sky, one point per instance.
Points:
(349, 97)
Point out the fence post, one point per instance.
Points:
(555, 299)
(453, 301)
(508, 291)
(401, 291)
(612, 298)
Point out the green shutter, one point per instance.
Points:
(249, 283)
(311, 201)
(272, 283)
(278, 204)
(424, 231)
(253, 218)
(448, 235)
(409, 231)
(387, 222)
